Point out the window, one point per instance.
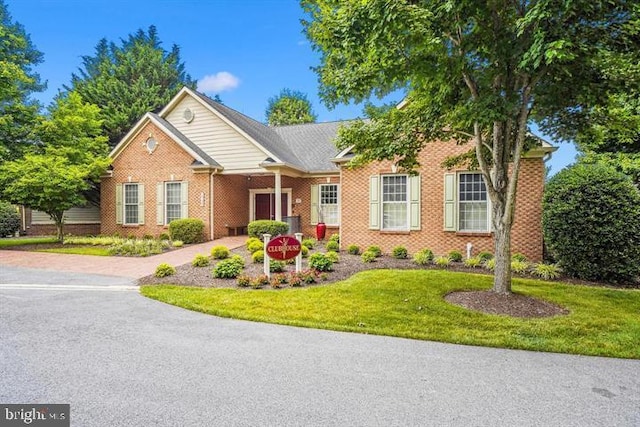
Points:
(173, 198)
(329, 203)
(473, 206)
(131, 206)
(394, 202)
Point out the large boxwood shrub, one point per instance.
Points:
(266, 226)
(189, 230)
(591, 222)
(9, 220)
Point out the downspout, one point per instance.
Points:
(211, 204)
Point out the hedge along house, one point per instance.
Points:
(200, 159)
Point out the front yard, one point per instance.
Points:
(411, 304)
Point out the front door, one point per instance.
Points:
(265, 205)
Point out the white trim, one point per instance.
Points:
(252, 200)
(407, 202)
(337, 201)
(488, 203)
(125, 204)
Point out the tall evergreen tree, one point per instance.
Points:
(130, 79)
(18, 112)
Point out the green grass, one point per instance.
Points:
(5, 243)
(409, 303)
(79, 250)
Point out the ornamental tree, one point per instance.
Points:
(56, 176)
(473, 72)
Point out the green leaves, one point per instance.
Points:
(290, 107)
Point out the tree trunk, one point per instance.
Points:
(502, 252)
(58, 218)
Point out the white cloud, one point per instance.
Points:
(218, 82)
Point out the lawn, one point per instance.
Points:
(5, 243)
(410, 304)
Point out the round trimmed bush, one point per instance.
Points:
(332, 245)
(257, 257)
(164, 270)
(200, 260)
(399, 252)
(267, 226)
(423, 257)
(320, 262)
(220, 252)
(227, 269)
(333, 256)
(375, 249)
(353, 249)
(591, 223)
(189, 230)
(309, 243)
(455, 256)
(368, 256)
(305, 251)
(255, 246)
(9, 220)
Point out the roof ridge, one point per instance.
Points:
(315, 123)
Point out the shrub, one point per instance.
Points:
(243, 280)
(320, 262)
(309, 243)
(591, 223)
(200, 261)
(519, 267)
(295, 280)
(353, 249)
(227, 269)
(546, 271)
(518, 257)
(237, 259)
(164, 236)
(278, 280)
(250, 241)
(335, 237)
(189, 230)
(474, 262)
(485, 256)
(164, 270)
(399, 252)
(304, 250)
(266, 226)
(220, 252)
(148, 237)
(442, 261)
(455, 256)
(259, 281)
(490, 264)
(308, 276)
(9, 220)
(277, 266)
(368, 256)
(255, 246)
(423, 257)
(177, 243)
(332, 245)
(257, 257)
(333, 257)
(134, 247)
(376, 250)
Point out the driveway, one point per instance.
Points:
(120, 359)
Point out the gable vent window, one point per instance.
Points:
(188, 115)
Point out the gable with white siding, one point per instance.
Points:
(233, 151)
(85, 215)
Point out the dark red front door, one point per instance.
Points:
(266, 205)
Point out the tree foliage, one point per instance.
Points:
(473, 72)
(591, 222)
(130, 79)
(56, 176)
(18, 112)
(290, 107)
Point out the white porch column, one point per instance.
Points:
(278, 185)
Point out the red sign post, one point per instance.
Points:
(283, 247)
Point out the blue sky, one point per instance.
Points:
(244, 50)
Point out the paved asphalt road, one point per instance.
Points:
(120, 359)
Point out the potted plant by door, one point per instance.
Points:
(321, 227)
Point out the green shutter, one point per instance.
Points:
(315, 203)
(374, 202)
(119, 210)
(450, 202)
(141, 204)
(414, 202)
(184, 197)
(160, 203)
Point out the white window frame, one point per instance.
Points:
(406, 202)
(460, 202)
(125, 204)
(167, 204)
(336, 204)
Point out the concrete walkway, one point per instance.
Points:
(129, 267)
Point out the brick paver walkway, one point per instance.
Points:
(130, 267)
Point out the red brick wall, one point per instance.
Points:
(75, 229)
(168, 159)
(527, 229)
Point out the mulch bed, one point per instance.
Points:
(513, 305)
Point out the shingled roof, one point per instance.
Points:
(308, 147)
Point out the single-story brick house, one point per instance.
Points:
(200, 159)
